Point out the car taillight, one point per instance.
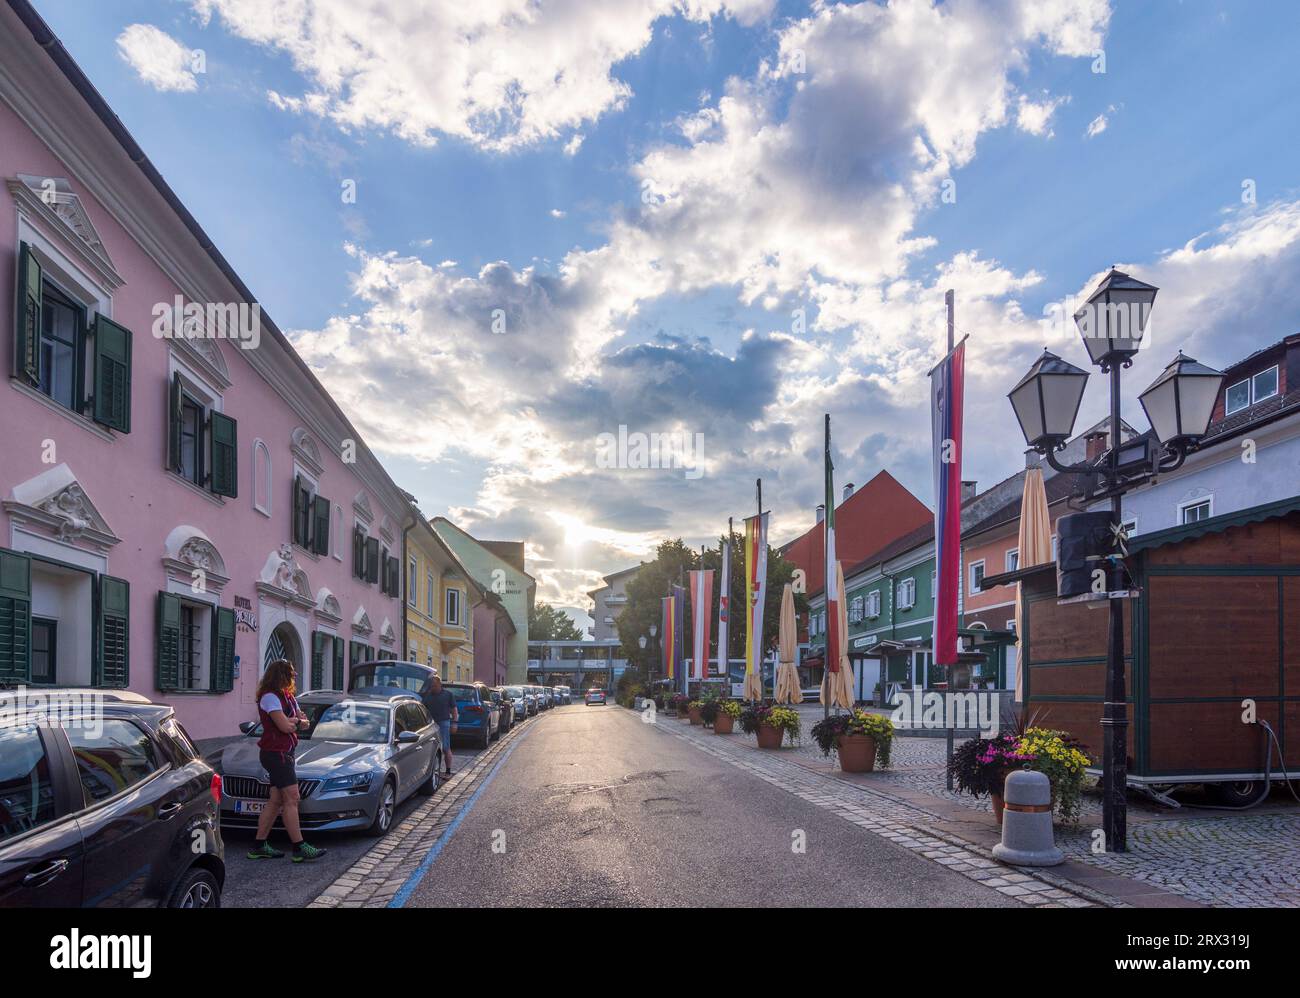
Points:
(473, 709)
(215, 788)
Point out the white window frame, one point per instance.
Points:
(907, 586)
(1012, 553)
(872, 607)
(413, 582)
(260, 447)
(1011, 625)
(1227, 411)
(1183, 507)
(338, 531)
(975, 587)
(448, 600)
(430, 595)
(1277, 384)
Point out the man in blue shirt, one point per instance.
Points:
(441, 704)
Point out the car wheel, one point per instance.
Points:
(197, 889)
(486, 740)
(384, 811)
(430, 786)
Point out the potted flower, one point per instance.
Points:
(858, 737)
(727, 713)
(980, 766)
(693, 712)
(1064, 760)
(770, 724)
(678, 705)
(709, 710)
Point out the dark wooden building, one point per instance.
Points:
(1217, 624)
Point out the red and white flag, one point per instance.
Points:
(701, 621)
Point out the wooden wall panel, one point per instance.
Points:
(1073, 631)
(1083, 720)
(1290, 738)
(1212, 635)
(1291, 636)
(1250, 544)
(1072, 680)
(1206, 737)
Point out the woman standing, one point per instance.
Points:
(281, 721)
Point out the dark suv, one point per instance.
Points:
(104, 800)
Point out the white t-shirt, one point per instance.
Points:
(270, 702)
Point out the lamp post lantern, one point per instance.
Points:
(1179, 405)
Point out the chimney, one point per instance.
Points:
(1097, 443)
(821, 512)
(968, 489)
(848, 491)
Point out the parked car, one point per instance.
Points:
(363, 754)
(563, 694)
(478, 718)
(540, 695)
(519, 701)
(595, 696)
(530, 701)
(113, 806)
(506, 707)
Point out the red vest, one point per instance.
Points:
(273, 739)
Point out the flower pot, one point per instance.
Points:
(694, 714)
(857, 753)
(770, 737)
(723, 724)
(997, 797)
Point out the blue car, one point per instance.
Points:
(478, 716)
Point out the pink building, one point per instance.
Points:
(176, 511)
(492, 630)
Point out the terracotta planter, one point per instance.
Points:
(723, 724)
(857, 753)
(694, 714)
(997, 797)
(770, 737)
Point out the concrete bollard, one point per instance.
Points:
(1027, 822)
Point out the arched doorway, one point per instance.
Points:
(284, 643)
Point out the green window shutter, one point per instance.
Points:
(112, 375)
(27, 338)
(174, 424)
(358, 553)
(352, 653)
(301, 521)
(223, 650)
(372, 559)
(114, 632)
(321, 525)
(223, 437)
(395, 572)
(15, 617)
(318, 639)
(167, 653)
(338, 663)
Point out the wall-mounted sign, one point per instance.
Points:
(245, 615)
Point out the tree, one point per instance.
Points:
(549, 623)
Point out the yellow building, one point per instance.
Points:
(439, 599)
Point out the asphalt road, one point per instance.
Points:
(271, 883)
(595, 808)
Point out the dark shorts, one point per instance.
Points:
(279, 767)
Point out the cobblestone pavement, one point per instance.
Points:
(376, 880)
(904, 823)
(1245, 859)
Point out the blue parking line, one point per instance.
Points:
(413, 881)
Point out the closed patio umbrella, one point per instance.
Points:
(787, 677)
(1035, 549)
(838, 686)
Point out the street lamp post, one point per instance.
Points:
(1179, 405)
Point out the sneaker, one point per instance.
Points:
(305, 853)
(264, 851)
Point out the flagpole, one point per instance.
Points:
(758, 645)
(949, 300)
(827, 568)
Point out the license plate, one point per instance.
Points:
(249, 806)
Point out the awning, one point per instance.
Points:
(1214, 525)
(1019, 575)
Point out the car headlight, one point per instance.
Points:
(355, 783)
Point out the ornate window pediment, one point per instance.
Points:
(361, 621)
(188, 550)
(54, 502)
(52, 199)
(306, 450)
(386, 632)
(282, 577)
(327, 606)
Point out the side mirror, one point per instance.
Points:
(407, 737)
(247, 727)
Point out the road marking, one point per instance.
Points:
(413, 881)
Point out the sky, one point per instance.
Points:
(498, 231)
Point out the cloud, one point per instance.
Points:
(557, 213)
(1096, 126)
(158, 58)
(500, 75)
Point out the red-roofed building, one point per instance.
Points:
(866, 520)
